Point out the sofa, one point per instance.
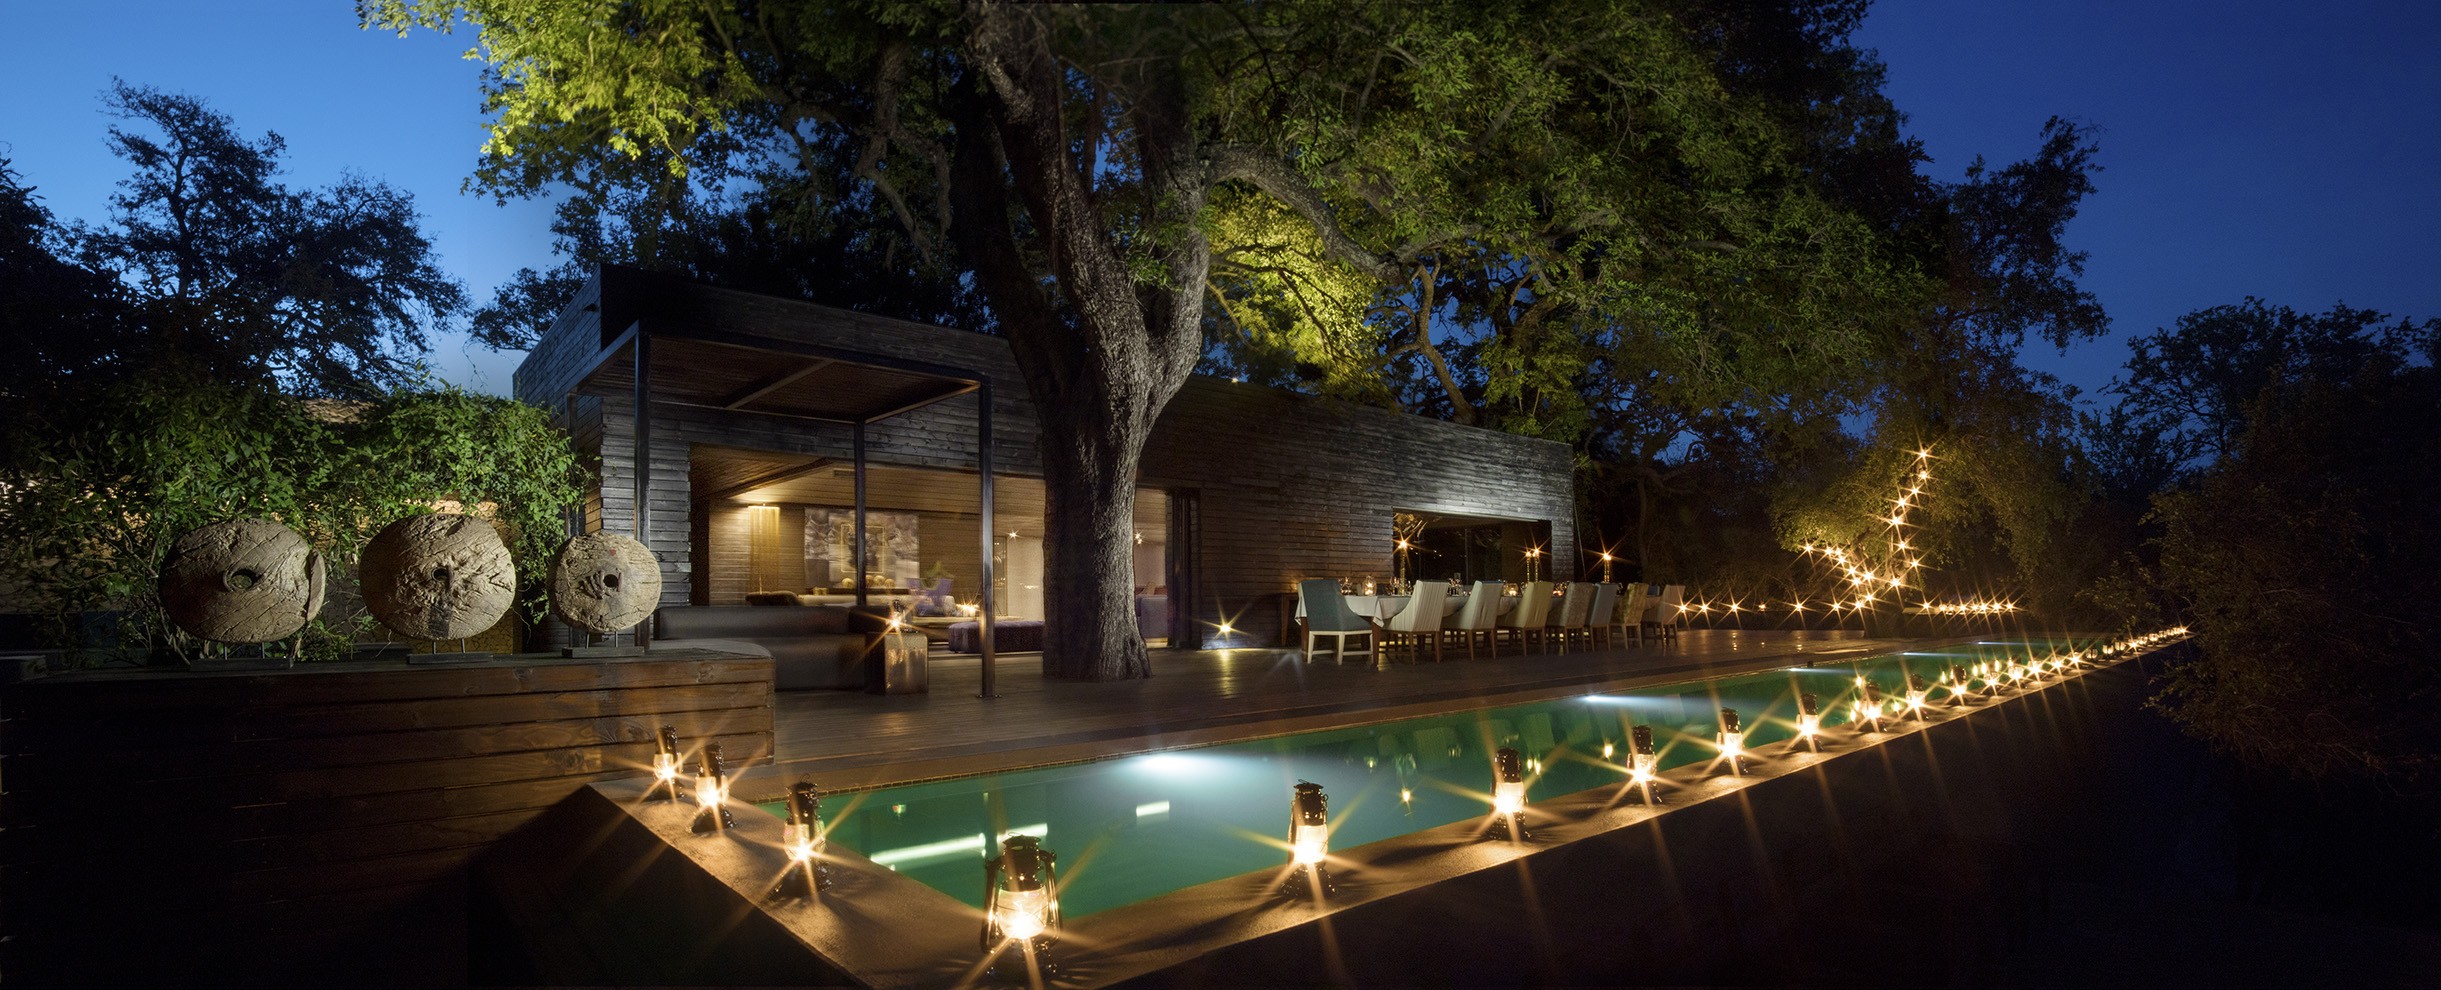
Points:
(813, 646)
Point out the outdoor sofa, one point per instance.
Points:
(810, 646)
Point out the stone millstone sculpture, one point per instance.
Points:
(605, 583)
(242, 581)
(438, 576)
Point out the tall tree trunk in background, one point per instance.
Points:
(1101, 367)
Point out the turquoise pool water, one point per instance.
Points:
(1136, 827)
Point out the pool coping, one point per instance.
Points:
(931, 939)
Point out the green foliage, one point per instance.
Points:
(1575, 209)
(100, 481)
(2303, 555)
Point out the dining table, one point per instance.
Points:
(1380, 608)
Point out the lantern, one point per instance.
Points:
(1809, 720)
(1509, 795)
(805, 840)
(1309, 839)
(665, 765)
(712, 793)
(1021, 908)
(1733, 741)
(1643, 765)
(1869, 706)
(1917, 691)
(1957, 684)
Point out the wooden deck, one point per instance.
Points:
(849, 741)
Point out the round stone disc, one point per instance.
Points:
(604, 583)
(242, 581)
(438, 576)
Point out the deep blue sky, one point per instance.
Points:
(2278, 149)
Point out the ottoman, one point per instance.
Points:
(1008, 636)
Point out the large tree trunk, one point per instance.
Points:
(1102, 362)
(1089, 514)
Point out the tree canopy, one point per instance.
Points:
(1468, 211)
(326, 291)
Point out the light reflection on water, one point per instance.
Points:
(1136, 827)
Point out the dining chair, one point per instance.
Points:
(1628, 617)
(1568, 619)
(1667, 611)
(1598, 621)
(1328, 614)
(1525, 622)
(1475, 618)
(1421, 620)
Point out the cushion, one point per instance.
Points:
(1008, 636)
(817, 647)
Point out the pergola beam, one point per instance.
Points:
(747, 395)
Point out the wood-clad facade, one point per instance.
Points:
(1266, 487)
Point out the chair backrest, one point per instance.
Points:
(1423, 611)
(1481, 608)
(1574, 607)
(1533, 605)
(1668, 606)
(1605, 611)
(1325, 609)
(1631, 607)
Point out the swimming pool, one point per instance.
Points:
(1136, 827)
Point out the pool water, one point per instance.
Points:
(1136, 827)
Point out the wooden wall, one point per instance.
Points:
(272, 825)
(1291, 486)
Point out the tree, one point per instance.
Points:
(2191, 387)
(325, 291)
(58, 319)
(2006, 482)
(2302, 554)
(1077, 161)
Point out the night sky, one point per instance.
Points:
(2276, 149)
